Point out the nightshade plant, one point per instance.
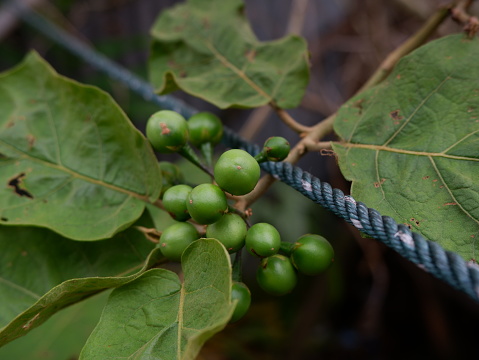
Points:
(84, 205)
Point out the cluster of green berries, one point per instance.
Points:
(235, 172)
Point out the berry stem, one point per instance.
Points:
(188, 153)
(287, 248)
(207, 151)
(237, 273)
(261, 157)
(288, 119)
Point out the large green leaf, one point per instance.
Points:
(157, 317)
(411, 145)
(70, 160)
(62, 336)
(42, 272)
(206, 48)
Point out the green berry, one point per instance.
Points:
(230, 230)
(262, 240)
(174, 201)
(240, 292)
(237, 172)
(276, 275)
(167, 131)
(312, 254)
(205, 127)
(206, 204)
(276, 148)
(176, 238)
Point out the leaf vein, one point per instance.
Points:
(421, 104)
(238, 72)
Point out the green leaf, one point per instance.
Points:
(70, 160)
(411, 144)
(62, 336)
(206, 48)
(42, 272)
(157, 317)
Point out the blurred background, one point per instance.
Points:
(371, 304)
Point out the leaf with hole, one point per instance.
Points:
(206, 48)
(410, 145)
(158, 317)
(70, 160)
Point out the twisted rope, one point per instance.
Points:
(445, 265)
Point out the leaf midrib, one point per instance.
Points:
(406, 152)
(241, 74)
(75, 174)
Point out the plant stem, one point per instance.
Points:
(237, 273)
(263, 185)
(188, 153)
(207, 151)
(287, 247)
(459, 14)
(288, 119)
(313, 135)
(405, 48)
(152, 235)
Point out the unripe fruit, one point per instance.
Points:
(240, 292)
(237, 172)
(276, 275)
(206, 204)
(174, 201)
(262, 240)
(276, 148)
(176, 238)
(205, 127)
(312, 255)
(230, 230)
(167, 131)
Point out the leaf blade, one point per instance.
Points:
(41, 273)
(410, 144)
(69, 156)
(213, 54)
(164, 318)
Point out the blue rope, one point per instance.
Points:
(445, 265)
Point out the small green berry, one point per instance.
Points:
(237, 172)
(176, 238)
(276, 148)
(205, 127)
(240, 292)
(230, 230)
(167, 131)
(262, 240)
(276, 275)
(174, 201)
(312, 254)
(206, 204)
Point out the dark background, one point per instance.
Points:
(372, 304)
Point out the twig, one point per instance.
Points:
(288, 120)
(460, 15)
(152, 235)
(312, 135)
(263, 185)
(409, 45)
(296, 19)
(317, 132)
(320, 146)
